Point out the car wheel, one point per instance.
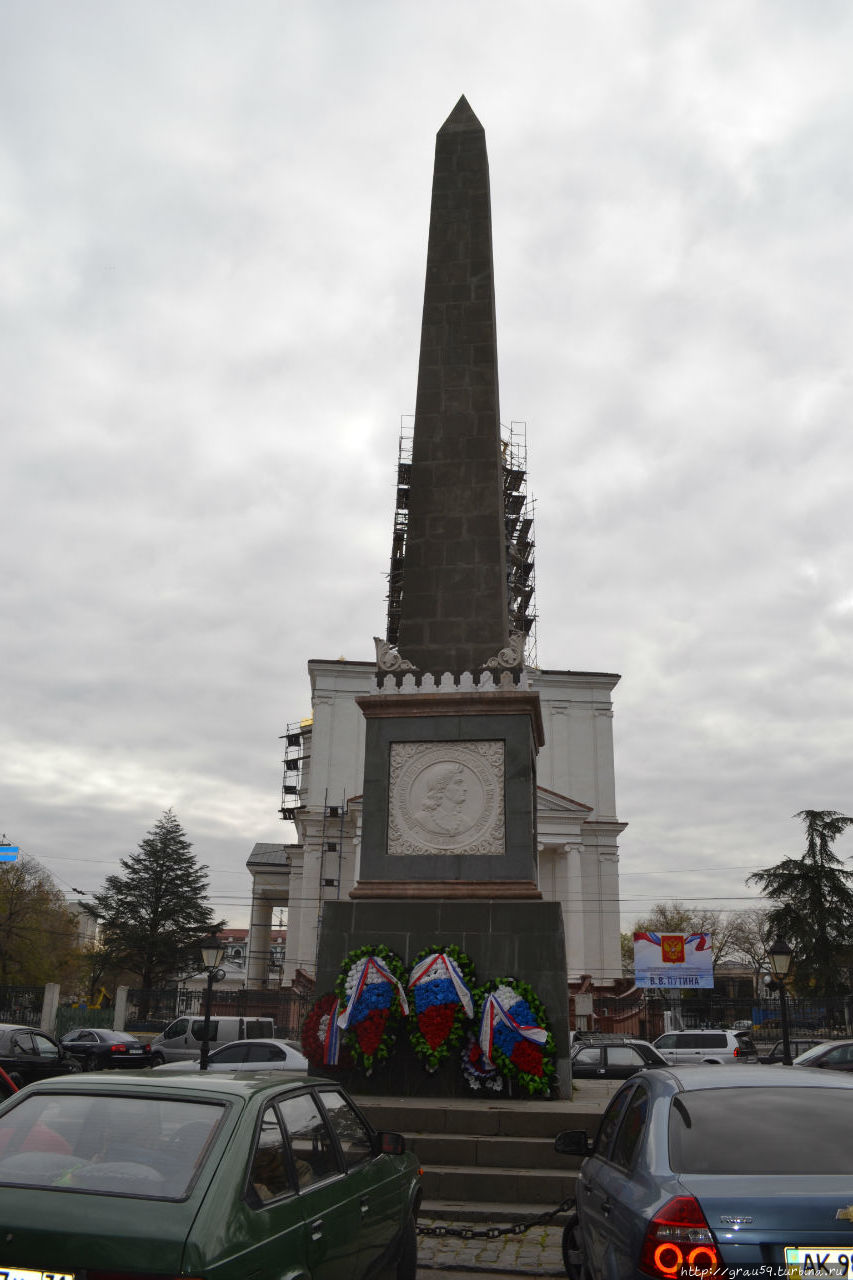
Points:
(90, 1062)
(16, 1079)
(157, 1059)
(572, 1251)
(407, 1260)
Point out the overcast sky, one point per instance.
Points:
(213, 226)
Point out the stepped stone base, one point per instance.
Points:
(488, 1153)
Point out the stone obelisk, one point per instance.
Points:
(448, 843)
(454, 605)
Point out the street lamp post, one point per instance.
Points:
(780, 962)
(212, 952)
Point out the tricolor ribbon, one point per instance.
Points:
(332, 1038)
(421, 973)
(702, 940)
(493, 1014)
(365, 967)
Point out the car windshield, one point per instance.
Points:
(120, 1145)
(762, 1130)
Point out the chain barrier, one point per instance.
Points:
(493, 1233)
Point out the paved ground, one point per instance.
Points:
(536, 1253)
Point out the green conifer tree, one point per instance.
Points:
(812, 908)
(153, 917)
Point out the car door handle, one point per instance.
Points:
(606, 1207)
(365, 1206)
(317, 1229)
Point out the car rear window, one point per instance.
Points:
(705, 1040)
(121, 1145)
(757, 1130)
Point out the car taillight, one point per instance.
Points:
(736, 1052)
(679, 1243)
(118, 1048)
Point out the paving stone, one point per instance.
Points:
(538, 1252)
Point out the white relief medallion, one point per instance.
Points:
(446, 797)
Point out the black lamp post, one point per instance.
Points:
(212, 952)
(780, 962)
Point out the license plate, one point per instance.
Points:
(136, 1051)
(804, 1261)
(18, 1273)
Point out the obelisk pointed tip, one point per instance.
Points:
(461, 118)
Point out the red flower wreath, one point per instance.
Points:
(314, 1033)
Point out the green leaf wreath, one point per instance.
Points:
(438, 1018)
(531, 1065)
(374, 1012)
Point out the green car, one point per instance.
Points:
(228, 1177)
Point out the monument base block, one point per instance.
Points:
(504, 938)
(446, 889)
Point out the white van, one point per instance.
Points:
(182, 1039)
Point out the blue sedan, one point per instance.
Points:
(697, 1171)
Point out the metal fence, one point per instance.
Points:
(651, 1013)
(70, 1016)
(21, 1005)
(153, 1010)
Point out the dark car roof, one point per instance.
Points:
(7, 1029)
(593, 1038)
(106, 1032)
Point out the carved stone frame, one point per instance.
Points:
(475, 824)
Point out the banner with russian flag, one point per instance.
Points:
(672, 960)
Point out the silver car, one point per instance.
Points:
(706, 1172)
(247, 1055)
(719, 1046)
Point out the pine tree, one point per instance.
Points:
(813, 904)
(153, 917)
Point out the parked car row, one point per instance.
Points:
(612, 1057)
(28, 1055)
(617, 1058)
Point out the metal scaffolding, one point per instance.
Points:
(518, 521)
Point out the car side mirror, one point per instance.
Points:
(392, 1144)
(573, 1142)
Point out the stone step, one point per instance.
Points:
(485, 1213)
(523, 1119)
(483, 1152)
(479, 1151)
(505, 1186)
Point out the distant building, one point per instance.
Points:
(87, 924)
(235, 961)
